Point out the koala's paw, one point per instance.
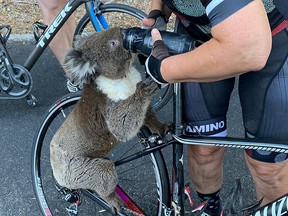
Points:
(168, 127)
(162, 129)
(147, 88)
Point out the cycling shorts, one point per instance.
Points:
(263, 99)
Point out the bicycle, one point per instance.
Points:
(16, 81)
(149, 196)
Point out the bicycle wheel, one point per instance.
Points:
(115, 15)
(148, 188)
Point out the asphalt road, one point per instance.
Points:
(18, 123)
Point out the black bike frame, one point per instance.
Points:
(52, 30)
(177, 166)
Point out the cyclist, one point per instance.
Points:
(64, 38)
(237, 40)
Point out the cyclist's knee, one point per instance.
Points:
(205, 155)
(268, 173)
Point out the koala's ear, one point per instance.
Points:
(79, 39)
(78, 68)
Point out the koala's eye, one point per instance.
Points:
(113, 44)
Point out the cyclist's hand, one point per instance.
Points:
(158, 54)
(155, 19)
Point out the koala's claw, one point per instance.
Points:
(148, 87)
(167, 128)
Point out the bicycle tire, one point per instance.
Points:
(42, 177)
(165, 94)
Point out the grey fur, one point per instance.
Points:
(98, 123)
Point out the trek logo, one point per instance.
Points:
(54, 25)
(277, 208)
(208, 128)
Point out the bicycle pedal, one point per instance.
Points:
(69, 195)
(73, 209)
(72, 197)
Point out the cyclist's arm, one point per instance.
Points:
(156, 4)
(241, 43)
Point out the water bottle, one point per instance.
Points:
(139, 40)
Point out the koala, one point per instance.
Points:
(114, 105)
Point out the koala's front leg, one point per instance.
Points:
(153, 123)
(125, 117)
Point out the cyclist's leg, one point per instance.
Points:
(204, 110)
(264, 99)
(205, 105)
(64, 38)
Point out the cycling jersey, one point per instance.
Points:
(216, 10)
(198, 16)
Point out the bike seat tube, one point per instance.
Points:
(178, 168)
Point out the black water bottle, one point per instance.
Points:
(139, 40)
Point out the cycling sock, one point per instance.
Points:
(214, 200)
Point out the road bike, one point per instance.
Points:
(145, 184)
(16, 81)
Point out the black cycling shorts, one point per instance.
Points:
(263, 98)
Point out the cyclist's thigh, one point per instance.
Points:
(205, 106)
(264, 98)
